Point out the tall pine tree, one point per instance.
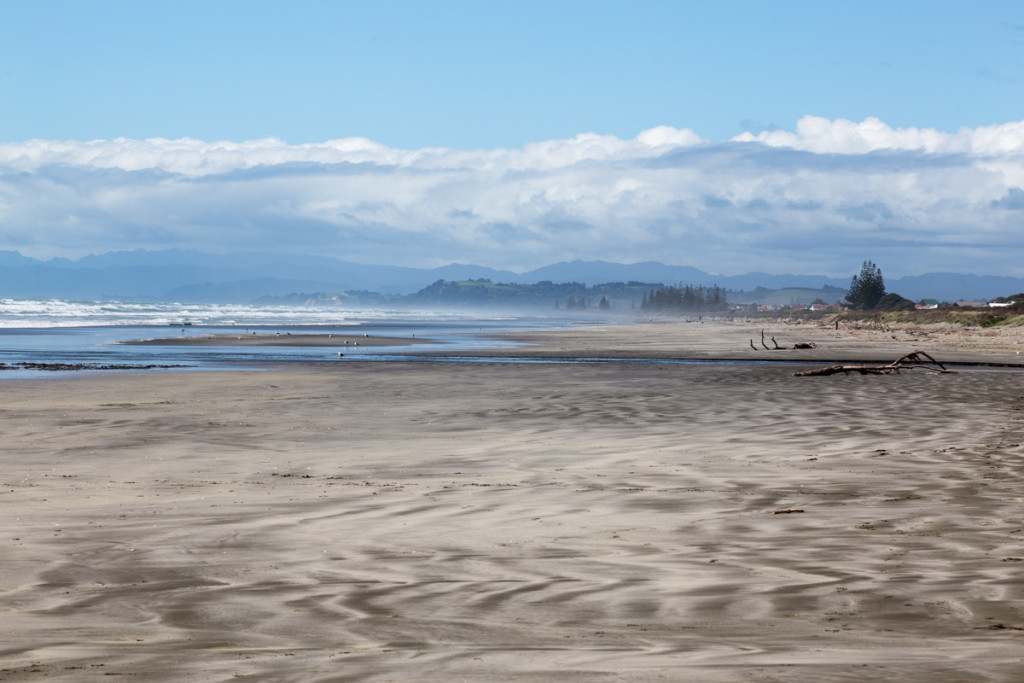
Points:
(866, 289)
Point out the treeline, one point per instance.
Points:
(1015, 300)
(686, 299)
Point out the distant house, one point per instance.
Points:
(994, 304)
(970, 304)
(926, 304)
(821, 307)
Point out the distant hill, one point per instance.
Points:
(596, 272)
(177, 275)
(953, 286)
(185, 275)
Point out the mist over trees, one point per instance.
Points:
(687, 299)
(572, 296)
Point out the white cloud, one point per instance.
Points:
(819, 199)
(825, 136)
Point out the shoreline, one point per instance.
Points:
(712, 340)
(722, 342)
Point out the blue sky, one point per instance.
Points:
(515, 134)
(498, 74)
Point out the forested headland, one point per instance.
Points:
(546, 294)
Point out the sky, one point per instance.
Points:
(786, 137)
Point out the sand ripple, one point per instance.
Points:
(491, 522)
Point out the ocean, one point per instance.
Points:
(44, 334)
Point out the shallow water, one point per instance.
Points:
(88, 333)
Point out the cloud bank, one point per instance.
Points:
(819, 199)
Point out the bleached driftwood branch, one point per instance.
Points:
(915, 360)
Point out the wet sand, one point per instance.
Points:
(354, 521)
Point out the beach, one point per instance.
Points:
(624, 517)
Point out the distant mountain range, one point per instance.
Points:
(193, 276)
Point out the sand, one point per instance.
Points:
(597, 521)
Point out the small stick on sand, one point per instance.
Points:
(798, 345)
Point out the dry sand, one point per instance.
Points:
(424, 521)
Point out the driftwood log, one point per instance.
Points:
(800, 345)
(915, 360)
